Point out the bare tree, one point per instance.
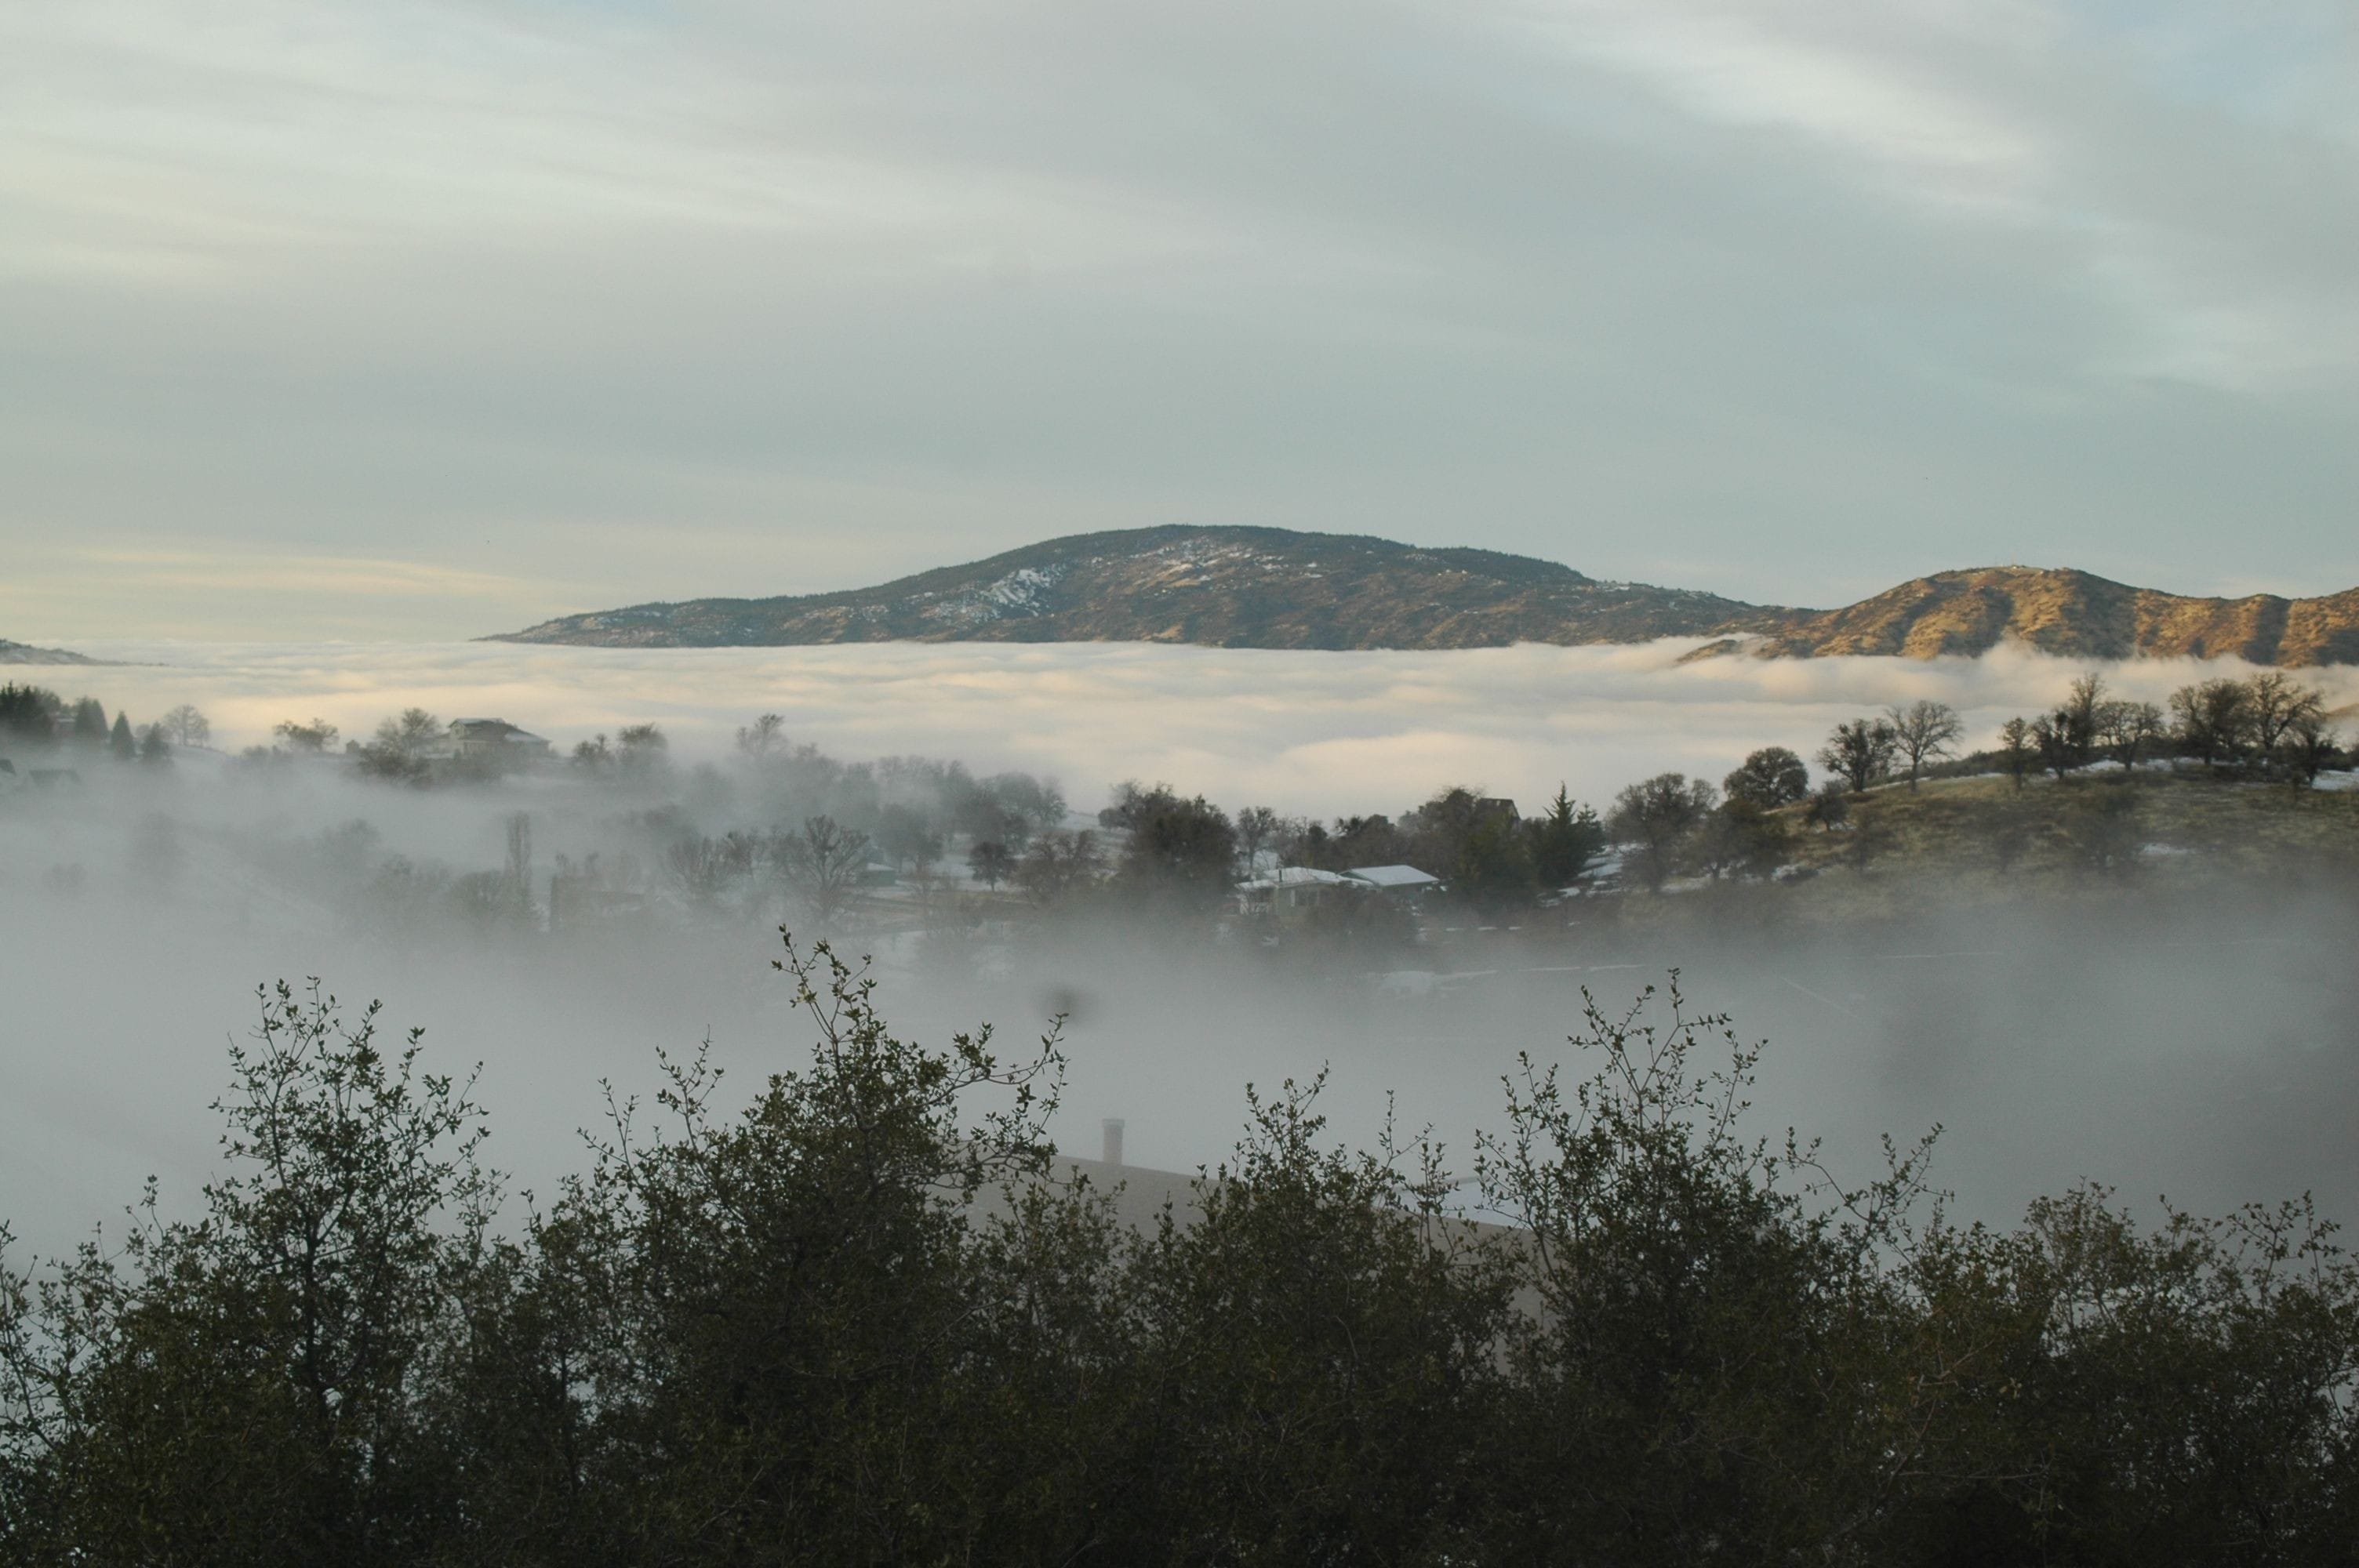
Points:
(706, 868)
(2082, 702)
(2016, 748)
(1860, 751)
(2274, 704)
(765, 736)
(1256, 825)
(410, 733)
(400, 747)
(187, 727)
(2129, 728)
(2210, 719)
(1924, 730)
(315, 737)
(822, 864)
(2308, 749)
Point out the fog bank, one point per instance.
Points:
(1322, 733)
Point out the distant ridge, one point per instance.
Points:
(24, 653)
(1272, 588)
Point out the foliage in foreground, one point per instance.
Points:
(867, 1320)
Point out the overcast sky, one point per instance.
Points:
(422, 318)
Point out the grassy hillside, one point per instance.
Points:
(1970, 839)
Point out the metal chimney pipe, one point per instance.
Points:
(1112, 1140)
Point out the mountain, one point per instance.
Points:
(2077, 615)
(1227, 588)
(24, 653)
(1270, 588)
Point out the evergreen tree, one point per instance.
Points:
(119, 740)
(29, 715)
(89, 723)
(1565, 838)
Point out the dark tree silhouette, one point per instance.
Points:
(1860, 752)
(1769, 778)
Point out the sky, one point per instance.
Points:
(421, 320)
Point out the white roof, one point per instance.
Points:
(1296, 876)
(1394, 877)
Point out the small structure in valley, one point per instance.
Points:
(494, 740)
(1290, 890)
(1404, 881)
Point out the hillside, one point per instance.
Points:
(1229, 588)
(1269, 588)
(2076, 615)
(24, 653)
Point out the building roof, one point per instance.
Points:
(1394, 877)
(501, 726)
(1295, 876)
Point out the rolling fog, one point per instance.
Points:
(2202, 1043)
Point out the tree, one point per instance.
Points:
(1654, 818)
(863, 1313)
(2308, 749)
(792, 1328)
(89, 728)
(247, 1388)
(707, 869)
(1256, 825)
(1860, 751)
(120, 742)
(2274, 703)
(1740, 837)
(2016, 747)
(2129, 728)
(403, 747)
(822, 863)
(2210, 719)
(906, 838)
(2103, 829)
(1830, 807)
(763, 738)
(1668, 1248)
(1923, 731)
(1057, 863)
(314, 737)
(1769, 778)
(2084, 700)
(29, 715)
(187, 727)
(641, 750)
(1180, 846)
(1565, 839)
(154, 745)
(990, 864)
(2063, 744)
(594, 756)
(1035, 805)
